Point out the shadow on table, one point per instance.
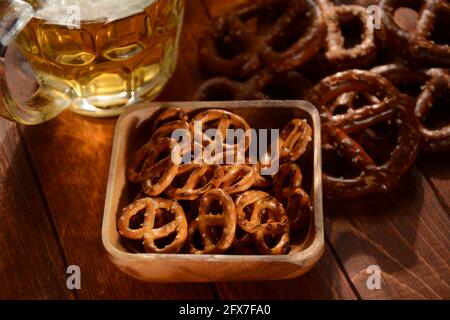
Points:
(378, 229)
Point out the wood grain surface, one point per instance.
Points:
(52, 192)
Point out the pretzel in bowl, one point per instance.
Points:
(288, 178)
(169, 115)
(287, 189)
(239, 178)
(193, 181)
(221, 121)
(152, 166)
(154, 226)
(201, 208)
(336, 130)
(295, 138)
(279, 34)
(339, 52)
(213, 242)
(420, 36)
(168, 128)
(298, 208)
(263, 216)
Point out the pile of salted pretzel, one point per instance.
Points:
(215, 208)
(378, 71)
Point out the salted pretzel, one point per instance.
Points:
(224, 89)
(295, 138)
(169, 115)
(298, 207)
(146, 157)
(427, 87)
(406, 79)
(392, 106)
(287, 189)
(152, 166)
(262, 181)
(288, 178)
(438, 87)
(262, 32)
(264, 85)
(419, 40)
(239, 178)
(263, 206)
(168, 128)
(222, 120)
(205, 223)
(151, 230)
(201, 209)
(337, 53)
(246, 204)
(196, 180)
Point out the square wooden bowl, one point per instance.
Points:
(133, 130)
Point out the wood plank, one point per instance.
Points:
(436, 167)
(71, 155)
(31, 264)
(405, 233)
(324, 281)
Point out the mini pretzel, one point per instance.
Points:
(167, 129)
(140, 161)
(298, 208)
(336, 129)
(222, 120)
(358, 56)
(230, 47)
(239, 178)
(247, 203)
(205, 221)
(262, 181)
(414, 42)
(158, 173)
(149, 232)
(288, 178)
(169, 115)
(196, 182)
(283, 233)
(263, 205)
(296, 136)
(437, 87)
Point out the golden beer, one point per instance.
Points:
(103, 55)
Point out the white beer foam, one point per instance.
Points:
(59, 11)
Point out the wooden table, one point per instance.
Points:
(52, 190)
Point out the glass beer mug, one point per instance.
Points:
(94, 57)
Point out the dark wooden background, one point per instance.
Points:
(52, 190)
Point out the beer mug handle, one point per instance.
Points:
(48, 101)
(43, 105)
